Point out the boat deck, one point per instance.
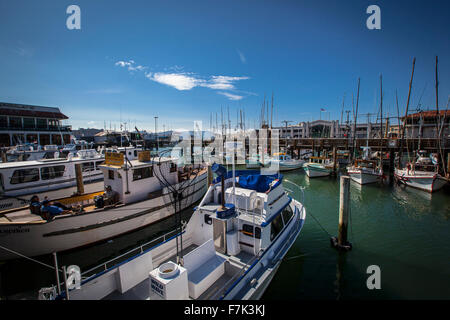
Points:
(234, 265)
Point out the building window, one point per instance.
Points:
(28, 123)
(142, 173)
(3, 121)
(25, 175)
(48, 173)
(15, 122)
(42, 123)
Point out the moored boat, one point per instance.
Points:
(140, 200)
(365, 171)
(318, 167)
(231, 247)
(285, 162)
(423, 173)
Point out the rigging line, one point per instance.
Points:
(31, 259)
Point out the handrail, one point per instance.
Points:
(140, 249)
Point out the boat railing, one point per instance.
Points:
(129, 254)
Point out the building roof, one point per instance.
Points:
(428, 114)
(23, 110)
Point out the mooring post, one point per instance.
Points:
(448, 165)
(79, 177)
(341, 242)
(55, 259)
(334, 160)
(210, 175)
(344, 202)
(66, 288)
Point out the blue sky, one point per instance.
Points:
(182, 60)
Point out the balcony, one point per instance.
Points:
(29, 129)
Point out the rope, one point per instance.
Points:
(31, 259)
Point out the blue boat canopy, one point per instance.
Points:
(253, 180)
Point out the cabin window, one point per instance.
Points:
(287, 214)
(208, 219)
(135, 153)
(250, 231)
(25, 175)
(142, 173)
(87, 166)
(110, 174)
(48, 173)
(173, 167)
(276, 227)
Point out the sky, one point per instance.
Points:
(185, 60)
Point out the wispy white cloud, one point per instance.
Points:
(183, 81)
(230, 96)
(130, 65)
(241, 56)
(177, 80)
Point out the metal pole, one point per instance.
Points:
(55, 259)
(65, 283)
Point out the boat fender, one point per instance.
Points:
(335, 244)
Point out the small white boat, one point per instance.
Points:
(141, 200)
(231, 247)
(422, 174)
(318, 167)
(285, 162)
(365, 172)
(254, 162)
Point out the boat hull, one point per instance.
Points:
(72, 231)
(362, 177)
(429, 183)
(316, 171)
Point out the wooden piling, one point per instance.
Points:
(334, 160)
(341, 242)
(79, 177)
(344, 203)
(210, 175)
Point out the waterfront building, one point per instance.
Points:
(20, 123)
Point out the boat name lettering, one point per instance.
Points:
(15, 230)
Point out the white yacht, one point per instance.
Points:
(231, 247)
(141, 200)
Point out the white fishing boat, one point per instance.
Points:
(422, 174)
(50, 177)
(254, 162)
(318, 167)
(365, 171)
(231, 247)
(140, 200)
(285, 162)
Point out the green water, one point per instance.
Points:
(406, 232)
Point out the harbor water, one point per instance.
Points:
(403, 231)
